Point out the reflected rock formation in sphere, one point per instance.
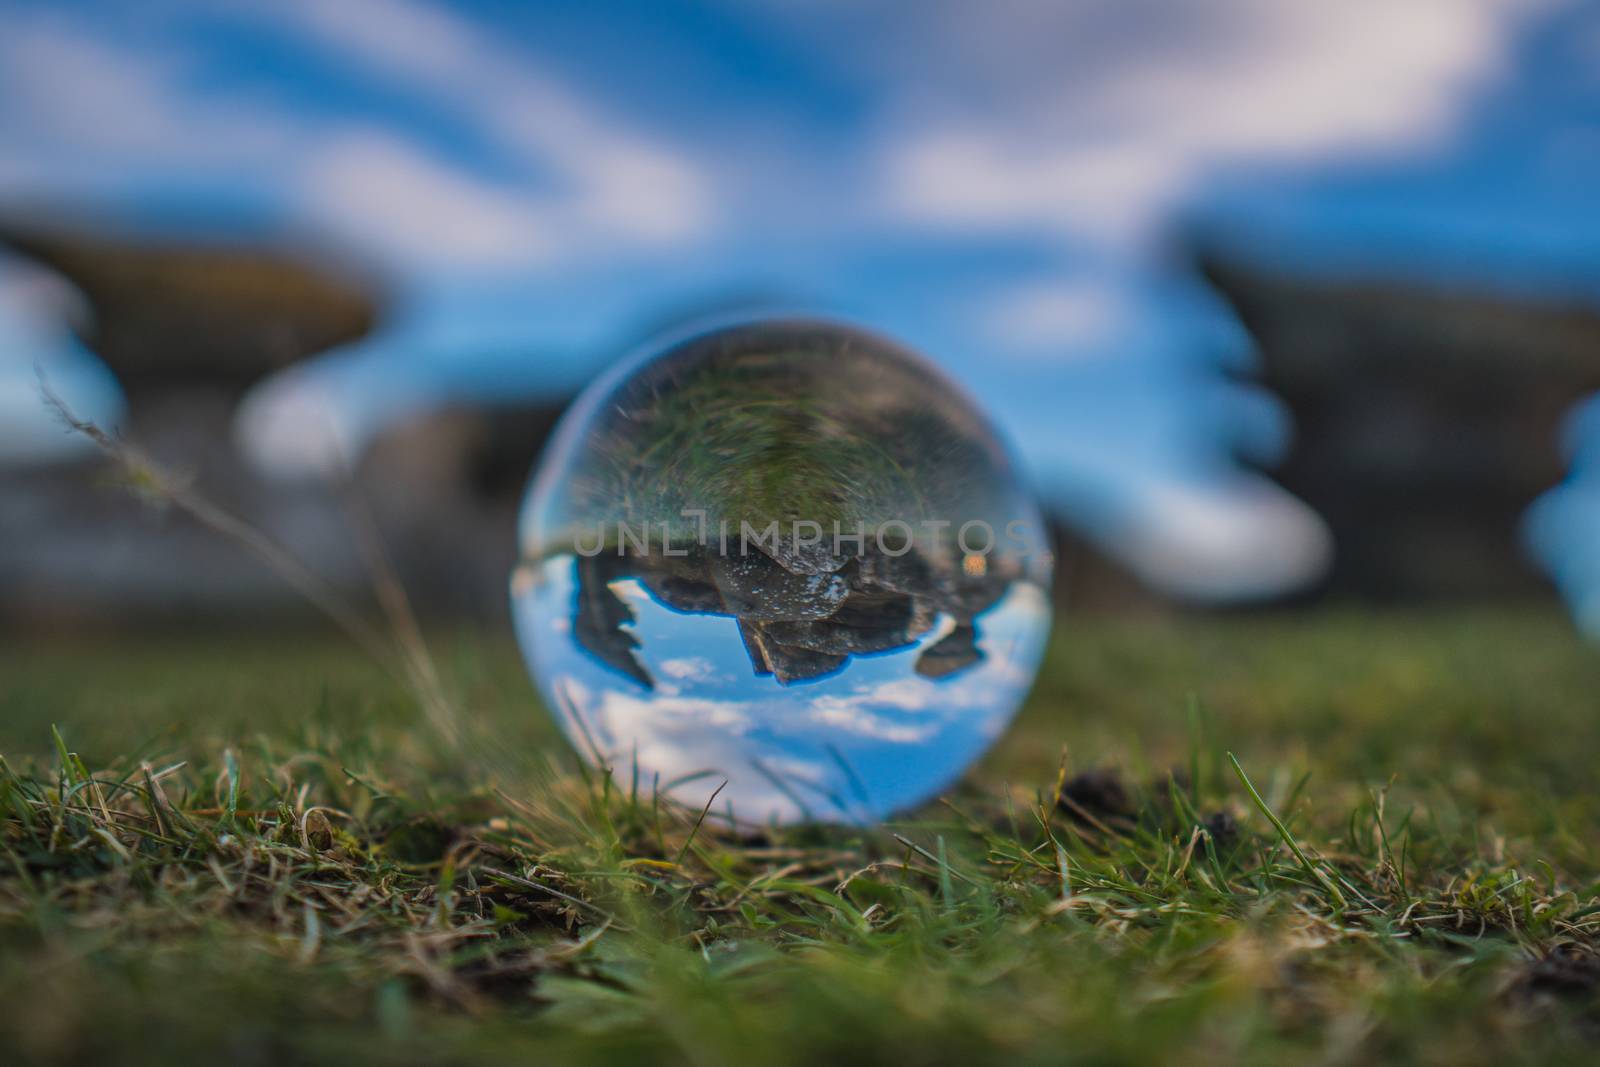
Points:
(786, 555)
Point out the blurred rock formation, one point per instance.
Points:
(1426, 420)
(199, 315)
(187, 328)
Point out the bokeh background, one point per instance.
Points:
(1280, 304)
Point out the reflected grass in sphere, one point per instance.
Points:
(789, 556)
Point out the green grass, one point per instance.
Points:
(248, 849)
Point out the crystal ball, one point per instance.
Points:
(785, 564)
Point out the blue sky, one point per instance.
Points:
(998, 184)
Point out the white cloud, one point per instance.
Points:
(622, 712)
(383, 190)
(980, 177)
(1112, 114)
(293, 425)
(614, 180)
(1237, 541)
(90, 110)
(688, 668)
(852, 718)
(916, 710)
(677, 738)
(78, 94)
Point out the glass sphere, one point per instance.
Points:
(789, 560)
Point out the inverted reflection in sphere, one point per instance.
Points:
(788, 556)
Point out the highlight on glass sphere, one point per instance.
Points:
(788, 560)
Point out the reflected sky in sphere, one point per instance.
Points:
(784, 559)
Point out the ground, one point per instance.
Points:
(249, 847)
